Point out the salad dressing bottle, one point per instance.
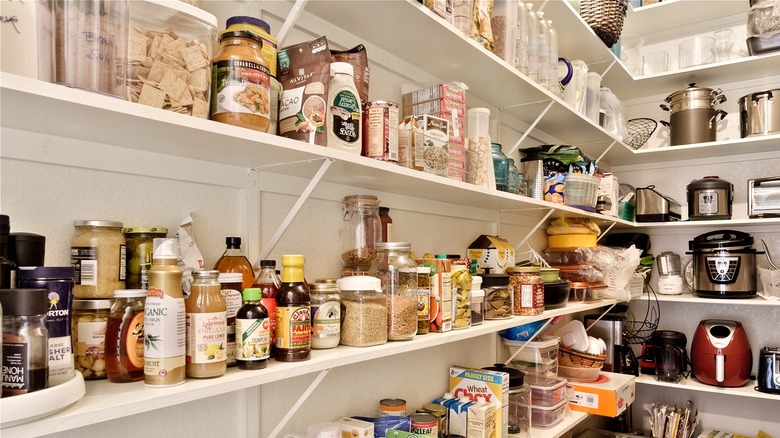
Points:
(344, 110)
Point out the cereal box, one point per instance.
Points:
(484, 385)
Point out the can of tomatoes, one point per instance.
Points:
(380, 130)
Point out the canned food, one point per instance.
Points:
(438, 411)
(425, 425)
(380, 130)
(392, 406)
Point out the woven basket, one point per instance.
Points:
(605, 17)
(570, 358)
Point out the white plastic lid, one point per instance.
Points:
(476, 282)
(477, 294)
(423, 269)
(164, 249)
(129, 293)
(341, 67)
(359, 283)
(231, 277)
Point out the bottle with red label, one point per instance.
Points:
(293, 316)
(269, 283)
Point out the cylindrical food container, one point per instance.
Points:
(98, 255)
(759, 113)
(423, 299)
(361, 229)
(24, 335)
(425, 425)
(398, 273)
(90, 45)
(125, 337)
(709, 198)
(380, 130)
(528, 290)
(139, 254)
(230, 284)
(477, 300)
(325, 315)
(89, 324)
(498, 296)
(440, 412)
(478, 146)
(392, 407)
(365, 311)
(461, 296)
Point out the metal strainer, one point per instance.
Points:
(639, 131)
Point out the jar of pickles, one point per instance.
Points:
(88, 328)
(527, 288)
(398, 272)
(139, 254)
(98, 255)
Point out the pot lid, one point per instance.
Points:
(721, 239)
(710, 182)
(694, 93)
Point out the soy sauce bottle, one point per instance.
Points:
(293, 316)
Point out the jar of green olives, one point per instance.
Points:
(139, 253)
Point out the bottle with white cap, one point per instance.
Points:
(344, 110)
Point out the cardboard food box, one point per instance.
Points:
(492, 252)
(457, 165)
(453, 112)
(608, 398)
(431, 149)
(450, 90)
(354, 428)
(482, 420)
(484, 385)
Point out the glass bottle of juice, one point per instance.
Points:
(253, 346)
(233, 260)
(206, 327)
(293, 316)
(269, 283)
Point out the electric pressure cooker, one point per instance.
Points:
(694, 114)
(709, 198)
(724, 264)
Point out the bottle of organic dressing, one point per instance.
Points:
(206, 326)
(164, 319)
(344, 110)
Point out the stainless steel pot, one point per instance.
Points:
(694, 116)
(724, 264)
(759, 113)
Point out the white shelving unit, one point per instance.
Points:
(693, 385)
(693, 299)
(676, 14)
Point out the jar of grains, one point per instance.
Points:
(527, 288)
(364, 317)
(98, 255)
(88, 325)
(361, 229)
(398, 272)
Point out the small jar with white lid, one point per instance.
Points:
(325, 314)
(364, 312)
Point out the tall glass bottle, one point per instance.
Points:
(293, 316)
(233, 260)
(269, 283)
(515, 178)
(501, 167)
(544, 51)
(252, 332)
(164, 319)
(533, 43)
(206, 327)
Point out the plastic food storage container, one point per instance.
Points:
(581, 191)
(577, 291)
(547, 392)
(595, 292)
(538, 358)
(364, 311)
(169, 50)
(548, 416)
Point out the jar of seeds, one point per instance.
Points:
(398, 273)
(364, 307)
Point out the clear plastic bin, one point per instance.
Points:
(539, 358)
(581, 191)
(547, 392)
(549, 416)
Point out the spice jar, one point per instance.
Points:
(423, 299)
(364, 312)
(325, 314)
(125, 337)
(89, 326)
(97, 253)
(139, 254)
(361, 229)
(398, 273)
(527, 289)
(241, 81)
(25, 341)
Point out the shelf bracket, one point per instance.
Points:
(533, 230)
(604, 154)
(289, 23)
(609, 67)
(604, 233)
(530, 128)
(299, 402)
(294, 211)
(601, 316)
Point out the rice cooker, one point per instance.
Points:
(709, 198)
(724, 264)
(759, 113)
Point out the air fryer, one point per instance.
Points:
(720, 353)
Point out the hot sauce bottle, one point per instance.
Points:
(293, 317)
(269, 283)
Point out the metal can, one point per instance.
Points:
(380, 130)
(425, 425)
(392, 407)
(438, 411)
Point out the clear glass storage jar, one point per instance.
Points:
(139, 254)
(398, 273)
(364, 321)
(88, 328)
(527, 288)
(361, 229)
(25, 340)
(325, 314)
(501, 167)
(98, 255)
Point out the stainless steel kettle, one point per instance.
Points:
(694, 116)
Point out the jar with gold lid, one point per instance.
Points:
(98, 255)
(88, 328)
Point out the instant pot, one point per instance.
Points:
(724, 264)
(709, 198)
(694, 114)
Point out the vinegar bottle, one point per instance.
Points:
(164, 319)
(293, 317)
(233, 260)
(268, 282)
(206, 327)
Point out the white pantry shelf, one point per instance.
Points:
(571, 419)
(727, 223)
(692, 385)
(674, 14)
(693, 299)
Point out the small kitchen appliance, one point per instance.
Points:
(769, 370)
(670, 282)
(764, 197)
(724, 264)
(620, 357)
(709, 198)
(652, 206)
(759, 113)
(669, 356)
(720, 353)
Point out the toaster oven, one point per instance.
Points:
(764, 197)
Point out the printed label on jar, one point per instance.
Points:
(270, 305)
(206, 337)
(164, 327)
(60, 360)
(122, 262)
(241, 87)
(134, 340)
(91, 338)
(346, 116)
(232, 299)
(253, 339)
(18, 375)
(230, 353)
(85, 263)
(326, 319)
(293, 327)
(423, 303)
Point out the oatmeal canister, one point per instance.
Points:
(380, 135)
(98, 255)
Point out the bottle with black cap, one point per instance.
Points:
(6, 266)
(25, 341)
(233, 260)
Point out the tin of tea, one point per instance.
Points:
(392, 406)
(380, 130)
(425, 425)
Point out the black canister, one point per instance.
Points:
(26, 249)
(25, 351)
(709, 198)
(7, 267)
